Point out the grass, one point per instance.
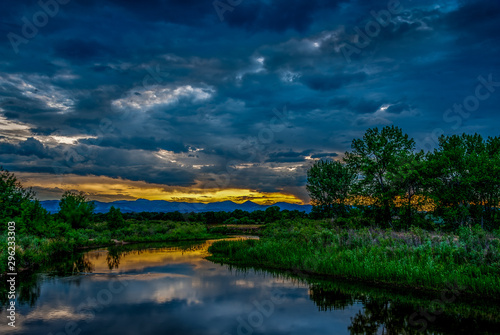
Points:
(415, 259)
(235, 229)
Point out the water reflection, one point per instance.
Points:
(28, 283)
(171, 289)
(28, 290)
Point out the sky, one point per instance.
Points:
(201, 100)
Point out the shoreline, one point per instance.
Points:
(376, 284)
(420, 261)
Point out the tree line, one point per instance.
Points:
(20, 205)
(385, 181)
(76, 211)
(237, 216)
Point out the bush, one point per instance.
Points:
(224, 230)
(14, 200)
(114, 218)
(34, 219)
(231, 221)
(75, 209)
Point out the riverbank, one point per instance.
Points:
(415, 259)
(33, 252)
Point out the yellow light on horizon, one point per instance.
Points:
(110, 189)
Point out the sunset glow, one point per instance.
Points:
(101, 188)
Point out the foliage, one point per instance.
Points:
(18, 204)
(243, 221)
(238, 216)
(455, 185)
(378, 157)
(465, 180)
(329, 184)
(75, 209)
(12, 195)
(114, 218)
(34, 219)
(418, 258)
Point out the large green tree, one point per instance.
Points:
(75, 209)
(19, 204)
(115, 218)
(329, 184)
(491, 183)
(12, 195)
(377, 158)
(465, 178)
(409, 184)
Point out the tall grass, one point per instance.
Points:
(32, 251)
(416, 258)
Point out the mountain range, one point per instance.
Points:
(144, 205)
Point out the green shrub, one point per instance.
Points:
(75, 209)
(114, 218)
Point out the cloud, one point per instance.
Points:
(167, 94)
(329, 83)
(278, 15)
(144, 99)
(29, 147)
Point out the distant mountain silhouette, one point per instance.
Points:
(144, 205)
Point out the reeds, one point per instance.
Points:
(414, 258)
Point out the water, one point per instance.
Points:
(171, 289)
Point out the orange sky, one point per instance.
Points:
(49, 186)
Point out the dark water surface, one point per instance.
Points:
(170, 288)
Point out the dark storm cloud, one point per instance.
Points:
(82, 50)
(278, 15)
(186, 12)
(138, 142)
(476, 18)
(165, 92)
(328, 83)
(359, 107)
(29, 147)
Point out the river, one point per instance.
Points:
(170, 288)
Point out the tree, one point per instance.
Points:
(452, 190)
(12, 195)
(210, 218)
(75, 209)
(329, 184)
(409, 182)
(35, 219)
(19, 204)
(492, 181)
(272, 214)
(466, 178)
(377, 157)
(115, 218)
